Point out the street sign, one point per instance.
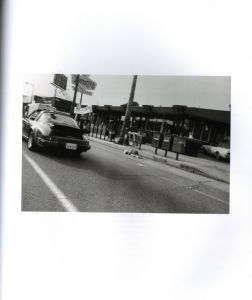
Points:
(83, 91)
(83, 110)
(61, 93)
(60, 80)
(85, 83)
(87, 93)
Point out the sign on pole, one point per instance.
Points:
(83, 91)
(60, 81)
(83, 110)
(88, 93)
(85, 83)
(61, 93)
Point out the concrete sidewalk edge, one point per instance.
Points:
(176, 164)
(187, 167)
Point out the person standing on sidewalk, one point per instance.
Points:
(126, 137)
(112, 131)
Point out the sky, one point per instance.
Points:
(213, 92)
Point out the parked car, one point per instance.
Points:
(54, 129)
(220, 151)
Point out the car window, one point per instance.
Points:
(57, 118)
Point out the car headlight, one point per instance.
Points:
(85, 139)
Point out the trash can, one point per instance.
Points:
(141, 136)
(178, 144)
(149, 136)
(166, 143)
(156, 140)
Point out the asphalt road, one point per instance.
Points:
(106, 180)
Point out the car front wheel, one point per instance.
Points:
(31, 144)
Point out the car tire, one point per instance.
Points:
(31, 144)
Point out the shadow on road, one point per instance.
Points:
(95, 164)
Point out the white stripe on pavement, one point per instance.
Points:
(66, 203)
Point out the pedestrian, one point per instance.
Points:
(126, 136)
(112, 131)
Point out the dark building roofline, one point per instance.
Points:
(174, 112)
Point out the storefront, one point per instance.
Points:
(209, 126)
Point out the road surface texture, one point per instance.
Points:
(106, 180)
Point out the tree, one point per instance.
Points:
(128, 110)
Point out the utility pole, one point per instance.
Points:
(75, 93)
(128, 110)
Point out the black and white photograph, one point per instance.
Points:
(139, 144)
(125, 150)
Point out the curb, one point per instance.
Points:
(188, 167)
(176, 164)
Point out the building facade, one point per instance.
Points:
(207, 125)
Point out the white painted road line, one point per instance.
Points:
(64, 201)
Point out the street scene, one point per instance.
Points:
(126, 144)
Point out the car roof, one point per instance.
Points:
(56, 112)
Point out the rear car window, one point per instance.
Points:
(58, 118)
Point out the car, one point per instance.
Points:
(55, 130)
(220, 151)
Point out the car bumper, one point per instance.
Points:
(61, 144)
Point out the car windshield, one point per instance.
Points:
(58, 118)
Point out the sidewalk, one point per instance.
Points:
(206, 167)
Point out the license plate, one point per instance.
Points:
(71, 146)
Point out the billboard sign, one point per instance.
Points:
(85, 83)
(60, 81)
